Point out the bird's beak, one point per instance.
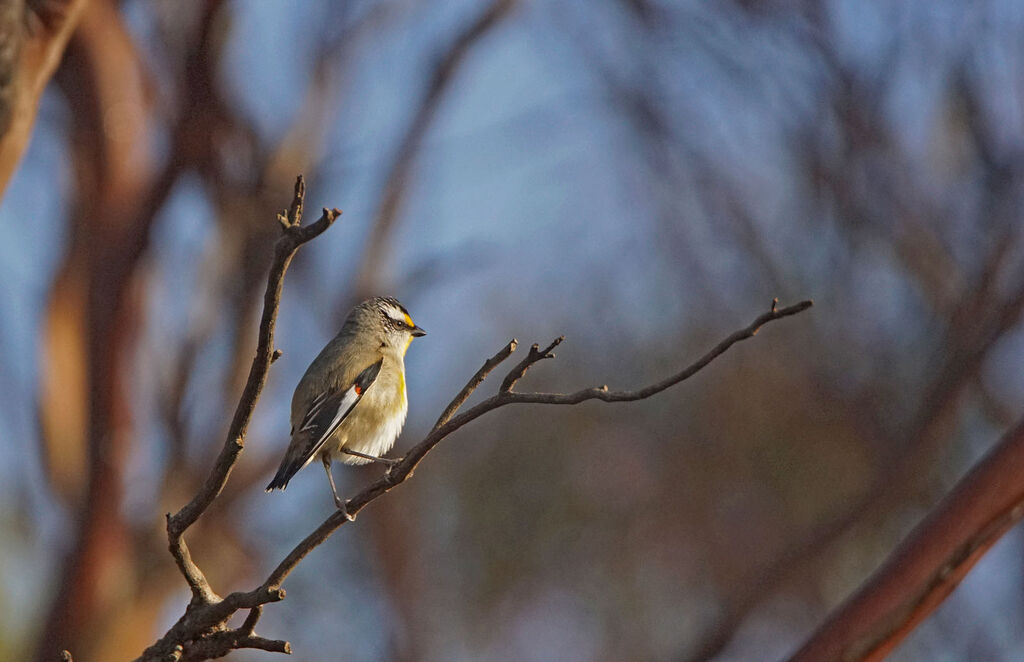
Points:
(417, 331)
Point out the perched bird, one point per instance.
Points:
(350, 405)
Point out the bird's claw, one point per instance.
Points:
(343, 507)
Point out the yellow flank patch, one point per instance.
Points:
(401, 385)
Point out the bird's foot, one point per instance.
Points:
(343, 507)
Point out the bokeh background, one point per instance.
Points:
(640, 175)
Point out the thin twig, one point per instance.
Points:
(534, 356)
(250, 621)
(475, 380)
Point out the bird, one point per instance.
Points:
(351, 403)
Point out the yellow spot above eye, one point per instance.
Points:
(408, 320)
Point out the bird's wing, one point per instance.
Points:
(325, 414)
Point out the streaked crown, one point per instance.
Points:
(385, 314)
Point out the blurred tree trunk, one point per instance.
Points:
(32, 40)
(90, 334)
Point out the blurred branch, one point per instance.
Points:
(930, 563)
(201, 632)
(998, 412)
(396, 181)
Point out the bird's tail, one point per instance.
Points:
(284, 474)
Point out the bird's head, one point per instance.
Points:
(388, 320)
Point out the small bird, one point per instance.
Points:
(350, 405)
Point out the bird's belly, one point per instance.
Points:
(369, 429)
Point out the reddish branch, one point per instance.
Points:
(930, 563)
(201, 632)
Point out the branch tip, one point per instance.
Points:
(535, 355)
(775, 303)
(554, 343)
(276, 355)
(295, 211)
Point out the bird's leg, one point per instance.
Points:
(372, 458)
(326, 459)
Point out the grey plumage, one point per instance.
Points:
(352, 396)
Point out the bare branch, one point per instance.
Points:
(197, 620)
(481, 374)
(449, 423)
(206, 610)
(220, 644)
(534, 356)
(294, 236)
(250, 621)
(201, 631)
